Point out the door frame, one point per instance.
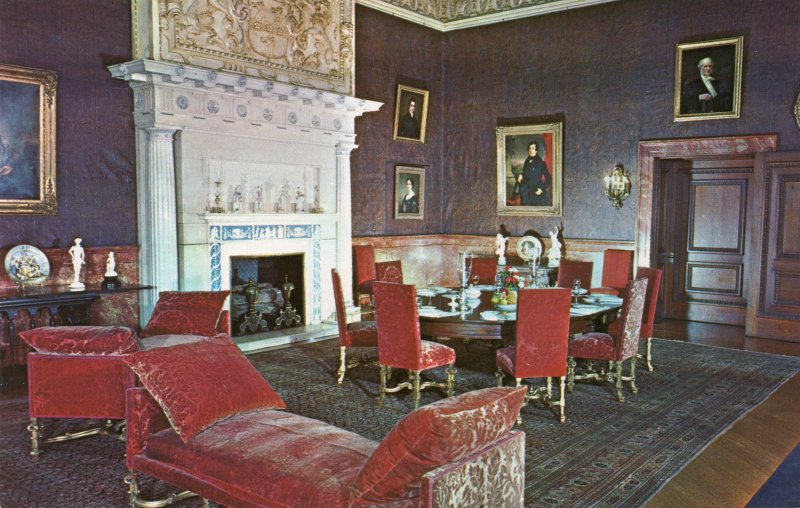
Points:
(651, 151)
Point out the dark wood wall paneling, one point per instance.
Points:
(606, 71)
(96, 173)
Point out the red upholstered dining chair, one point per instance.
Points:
(357, 334)
(541, 343)
(389, 271)
(400, 345)
(569, 271)
(618, 346)
(78, 371)
(363, 272)
(653, 276)
(485, 269)
(617, 270)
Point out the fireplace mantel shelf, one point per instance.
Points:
(269, 218)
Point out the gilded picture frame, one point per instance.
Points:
(409, 192)
(708, 79)
(410, 114)
(530, 180)
(27, 141)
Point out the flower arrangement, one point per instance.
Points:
(509, 281)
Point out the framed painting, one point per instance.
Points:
(27, 141)
(708, 79)
(410, 114)
(529, 169)
(409, 192)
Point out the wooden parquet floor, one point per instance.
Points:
(732, 469)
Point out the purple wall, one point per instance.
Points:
(96, 174)
(606, 71)
(389, 52)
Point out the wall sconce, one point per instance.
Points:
(617, 186)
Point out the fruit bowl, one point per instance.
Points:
(506, 307)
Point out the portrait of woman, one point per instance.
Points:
(409, 186)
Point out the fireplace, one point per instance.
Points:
(216, 153)
(268, 274)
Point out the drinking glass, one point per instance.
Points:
(576, 288)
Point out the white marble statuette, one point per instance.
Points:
(78, 260)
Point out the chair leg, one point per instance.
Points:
(384, 375)
(649, 357)
(634, 389)
(499, 375)
(414, 375)
(342, 364)
(451, 380)
(36, 444)
(133, 488)
(549, 388)
(570, 374)
(561, 400)
(620, 396)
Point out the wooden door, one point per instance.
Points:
(705, 209)
(774, 307)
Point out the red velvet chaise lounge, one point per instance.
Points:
(206, 421)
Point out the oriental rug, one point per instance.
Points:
(606, 454)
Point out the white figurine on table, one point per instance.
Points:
(500, 249)
(78, 259)
(554, 254)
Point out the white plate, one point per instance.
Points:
(25, 264)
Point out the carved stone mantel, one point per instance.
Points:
(196, 125)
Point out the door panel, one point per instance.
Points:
(775, 297)
(710, 205)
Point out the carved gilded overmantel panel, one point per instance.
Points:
(302, 42)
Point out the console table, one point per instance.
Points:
(71, 306)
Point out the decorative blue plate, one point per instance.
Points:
(25, 264)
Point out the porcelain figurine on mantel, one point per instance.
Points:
(110, 278)
(554, 254)
(78, 260)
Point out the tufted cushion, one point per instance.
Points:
(439, 433)
(81, 340)
(201, 383)
(598, 346)
(186, 312)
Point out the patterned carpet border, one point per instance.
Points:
(606, 454)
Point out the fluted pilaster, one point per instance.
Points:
(158, 230)
(344, 238)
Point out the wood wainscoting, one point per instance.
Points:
(433, 259)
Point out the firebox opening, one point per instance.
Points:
(269, 273)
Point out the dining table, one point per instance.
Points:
(443, 314)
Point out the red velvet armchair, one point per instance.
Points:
(363, 272)
(229, 441)
(358, 334)
(569, 271)
(400, 345)
(78, 371)
(617, 270)
(485, 269)
(389, 271)
(620, 345)
(540, 349)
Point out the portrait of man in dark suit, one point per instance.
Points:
(410, 114)
(708, 77)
